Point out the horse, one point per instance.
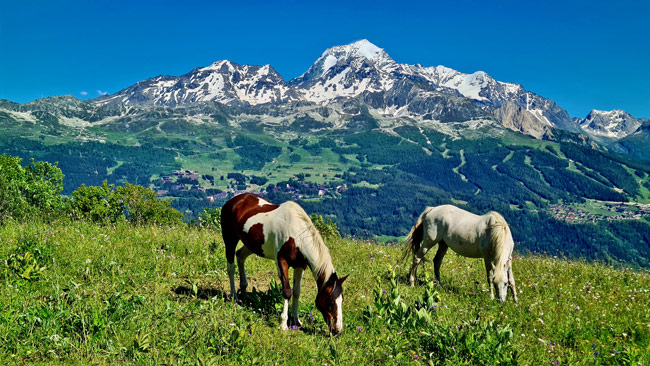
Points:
(470, 235)
(285, 234)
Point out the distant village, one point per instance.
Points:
(614, 211)
(186, 183)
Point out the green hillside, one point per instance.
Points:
(155, 295)
(568, 196)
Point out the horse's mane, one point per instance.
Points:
(318, 249)
(500, 246)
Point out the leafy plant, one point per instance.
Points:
(211, 218)
(111, 203)
(389, 307)
(141, 206)
(97, 203)
(327, 229)
(474, 342)
(24, 265)
(33, 189)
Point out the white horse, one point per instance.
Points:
(487, 236)
(283, 233)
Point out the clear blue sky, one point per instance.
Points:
(582, 54)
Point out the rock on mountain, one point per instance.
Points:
(637, 143)
(614, 124)
(520, 119)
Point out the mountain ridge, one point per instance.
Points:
(359, 70)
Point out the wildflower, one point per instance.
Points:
(415, 357)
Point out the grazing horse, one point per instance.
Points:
(285, 234)
(487, 236)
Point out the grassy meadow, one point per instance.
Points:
(82, 293)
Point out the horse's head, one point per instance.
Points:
(502, 291)
(329, 302)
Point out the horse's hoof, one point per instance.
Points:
(295, 323)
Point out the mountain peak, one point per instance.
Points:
(359, 49)
(616, 123)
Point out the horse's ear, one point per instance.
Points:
(340, 280)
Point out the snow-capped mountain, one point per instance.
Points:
(365, 73)
(363, 69)
(614, 124)
(348, 71)
(223, 81)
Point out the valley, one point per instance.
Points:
(362, 140)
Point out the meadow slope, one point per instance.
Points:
(155, 295)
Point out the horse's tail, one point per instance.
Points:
(415, 236)
(500, 245)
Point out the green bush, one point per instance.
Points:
(109, 203)
(327, 229)
(97, 203)
(29, 190)
(211, 218)
(141, 206)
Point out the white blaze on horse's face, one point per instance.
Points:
(502, 291)
(502, 285)
(339, 314)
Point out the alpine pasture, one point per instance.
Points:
(76, 292)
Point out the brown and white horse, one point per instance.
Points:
(285, 234)
(487, 236)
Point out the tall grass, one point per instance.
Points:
(155, 295)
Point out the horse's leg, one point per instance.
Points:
(437, 260)
(490, 274)
(511, 280)
(242, 254)
(297, 280)
(231, 243)
(414, 268)
(283, 272)
(418, 257)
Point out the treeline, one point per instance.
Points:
(91, 162)
(35, 190)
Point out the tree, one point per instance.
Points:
(24, 191)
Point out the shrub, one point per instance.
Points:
(97, 203)
(134, 203)
(28, 190)
(141, 206)
(327, 229)
(210, 218)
